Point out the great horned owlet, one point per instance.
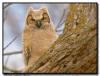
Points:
(38, 35)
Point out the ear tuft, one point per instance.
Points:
(44, 8)
(30, 9)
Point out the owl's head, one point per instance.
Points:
(38, 18)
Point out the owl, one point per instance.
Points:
(38, 35)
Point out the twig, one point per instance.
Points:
(7, 60)
(12, 53)
(11, 42)
(59, 23)
(59, 30)
(5, 16)
(7, 5)
(12, 70)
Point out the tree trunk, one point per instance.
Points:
(75, 51)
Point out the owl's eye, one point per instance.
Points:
(45, 17)
(30, 20)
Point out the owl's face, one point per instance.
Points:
(38, 18)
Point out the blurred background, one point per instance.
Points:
(13, 25)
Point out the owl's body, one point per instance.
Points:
(38, 35)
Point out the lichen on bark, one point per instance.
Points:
(75, 51)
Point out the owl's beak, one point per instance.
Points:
(38, 24)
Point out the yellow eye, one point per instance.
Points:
(46, 17)
(30, 20)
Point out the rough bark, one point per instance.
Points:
(75, 51)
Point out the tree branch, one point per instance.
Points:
(59, 23)
(7, 5)
(59, 30)
(12, 53)
(11, 42)
(75, 51)
(7, 60)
